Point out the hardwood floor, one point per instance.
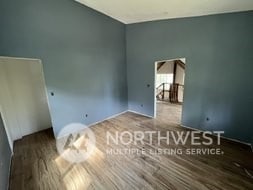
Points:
(168, 112)
(37, 165)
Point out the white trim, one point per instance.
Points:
(110, 117)
(95, 123)
(10, 144)
(118, 114)
(6, 130)
(248, 144)
(235, 140)
(8, 185)
(45, 89)
(171, 59)
(18, 58)
(38, 63)
(140, 113)
(227, 138)
(155, 73)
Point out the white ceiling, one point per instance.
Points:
(132, 11)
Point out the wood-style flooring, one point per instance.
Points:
(168, 113)
(36, 165)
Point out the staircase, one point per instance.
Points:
(161, 90)
(171, 89)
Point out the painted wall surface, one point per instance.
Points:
(180, 80)
(218, 83)
(5, 157)
(8, 107)
(83, 55)
(167, 68)
(82, 51)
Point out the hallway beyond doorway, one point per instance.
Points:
(168, 112)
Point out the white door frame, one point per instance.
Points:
(155, 73)
(4, 118)
(6, 129)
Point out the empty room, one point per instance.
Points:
(106, 95)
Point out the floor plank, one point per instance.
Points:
(37, 165)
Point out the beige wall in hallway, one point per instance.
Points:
(180, 80)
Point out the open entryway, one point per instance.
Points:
(23, 97)
(169, 89)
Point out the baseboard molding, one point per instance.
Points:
(110, 117)
(20, 58)
(38, 131)
(237, 141)
(9, 176)
(118, 114)
(140, 113)
(227, 138)
(90, 125)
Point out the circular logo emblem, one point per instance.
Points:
(76, 142)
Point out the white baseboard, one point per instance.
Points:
(19, 58)
(118, 114)
(9, 174)
(140, 113)
(110, 117)
(90, 125)
(227, 138)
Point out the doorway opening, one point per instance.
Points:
(23, 97)
(169, 89)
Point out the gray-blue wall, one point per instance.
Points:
(84, 60)
(5, 157)
(219, 68)
(82, 51)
